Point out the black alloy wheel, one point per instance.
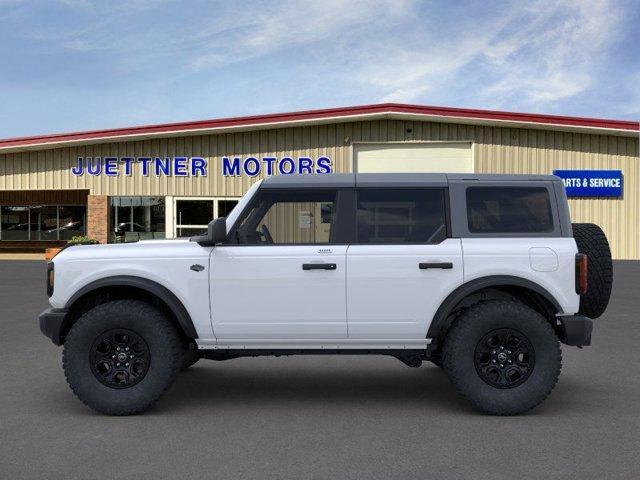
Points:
(504, 358)
(119, 358)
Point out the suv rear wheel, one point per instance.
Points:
(503, 356)
(121, 356)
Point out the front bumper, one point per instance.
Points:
(575, 330)
(52, 324)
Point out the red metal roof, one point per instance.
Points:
(343, 113)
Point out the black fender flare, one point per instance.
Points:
(160, 291)
(439, 321)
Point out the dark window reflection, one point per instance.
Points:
(225, 207)
(194, 212)
(42, 222)
(137, 218)
(72, 221)
(15, 223)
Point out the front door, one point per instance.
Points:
(280, 276)
(402, 265)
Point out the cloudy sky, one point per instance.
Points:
(82, 64)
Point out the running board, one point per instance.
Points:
(315, 345)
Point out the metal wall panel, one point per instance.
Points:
(495, 150)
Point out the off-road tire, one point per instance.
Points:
(436, 360)
(190, 355)
(148, 323)
(592, 241)
(469, 329)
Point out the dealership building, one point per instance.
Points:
(168, 181)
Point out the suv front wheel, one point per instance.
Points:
(121, 356)
(503, 356)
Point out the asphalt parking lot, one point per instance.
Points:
(317, 417)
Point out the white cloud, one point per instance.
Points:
(271, 27)
(515, 56)
(532, 56)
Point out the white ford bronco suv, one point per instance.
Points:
(483, 275)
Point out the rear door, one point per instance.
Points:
(402, 264)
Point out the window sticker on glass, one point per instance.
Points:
(304, 220)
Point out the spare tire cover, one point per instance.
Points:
(592, 241)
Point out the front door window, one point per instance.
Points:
(289, 218)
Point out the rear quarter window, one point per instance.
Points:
(509, 210)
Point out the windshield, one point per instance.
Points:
(235, 213)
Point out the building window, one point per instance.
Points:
(194, 214)
(137, 218)
(42, 222)
(71, 221)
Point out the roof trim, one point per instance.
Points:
(329, 115)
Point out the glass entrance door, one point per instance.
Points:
(192, 215)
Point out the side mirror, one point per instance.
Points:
(216, 233)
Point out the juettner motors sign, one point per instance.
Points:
(198, 166)
(591, 183)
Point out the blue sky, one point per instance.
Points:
(79, 64)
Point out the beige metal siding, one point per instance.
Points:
(413, 157)
(530, 151)
(495, 150)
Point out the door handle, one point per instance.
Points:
(319, 266)
(442, 265)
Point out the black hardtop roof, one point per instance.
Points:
(345, 180)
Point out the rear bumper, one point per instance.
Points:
(52, 323)
(575, 330)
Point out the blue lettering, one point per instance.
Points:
(305, 165)
(269, 161)
(230, 168)
(126, 161)
(252, 172)
(162, 165)
(145, 165)
(111, 166)
(94, 167)
(198, 167)
(180, 166)
(323, 165)
(292, 166)
(79, 169)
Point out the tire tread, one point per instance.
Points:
(138, 308)
(454, 350)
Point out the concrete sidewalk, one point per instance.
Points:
(21, 256)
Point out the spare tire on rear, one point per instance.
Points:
(592, 241)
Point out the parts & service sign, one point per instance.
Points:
(591, 183)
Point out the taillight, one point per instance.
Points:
(581, 273)
(50, 279)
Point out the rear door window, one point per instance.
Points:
(395, 216)
(509, 210)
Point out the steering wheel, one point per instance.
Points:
(266, 234)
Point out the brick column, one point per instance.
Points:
(98, 218)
